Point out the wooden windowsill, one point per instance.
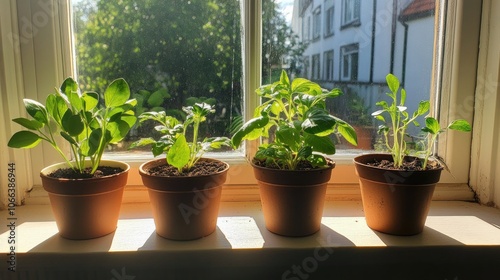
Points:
(461, 240)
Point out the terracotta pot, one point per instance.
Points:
(184, 208)
(86, 208)
(365, 137)
(395, 202)
(292, 201)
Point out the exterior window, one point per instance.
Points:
(329, 23)
(307, 64)
(350, 62)
(317, 23)
(328, 57)
(360, 62)
(315, 75)
(194, 57)
(350, 11)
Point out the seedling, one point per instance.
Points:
(181, 153)
(399, 120)
(78, 119)
(294, 116)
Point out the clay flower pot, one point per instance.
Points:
(86, 208)
(395, 202)
(292, 201)
(184, 208)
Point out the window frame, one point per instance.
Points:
(355, 7)
(329, 21)
(316, 23)
(316, 66)
(347, 52)
(329, 60)
(51, 49)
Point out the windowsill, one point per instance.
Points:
(461, 241)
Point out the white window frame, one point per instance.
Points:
(329, 21)
(316, 67)
(307, 63)
(329, 60)
(347, 62)
(351, 12)
(32, 68)
(316, 23)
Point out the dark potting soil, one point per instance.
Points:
(199, 169)
(414, 165)
(68, 173)
(302, 165)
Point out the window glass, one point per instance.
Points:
(317, 23)
(371, 40)
(172, 54)
(329, 23)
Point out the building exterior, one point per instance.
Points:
(354, 44)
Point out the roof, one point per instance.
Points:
(418, 9)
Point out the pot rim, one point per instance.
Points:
(143, 171)
(114, 163)
(357, 158)
(331, 166)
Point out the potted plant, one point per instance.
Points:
(396, 188)
(85, 192)
(291, 169)
(185, 188)
(357, 114)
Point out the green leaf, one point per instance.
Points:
(69, 86)
(56, 107)
(36, 110)
(72, 124)
(118, 130)
(348, 132)
(323, 144)
(29, 124)
(75, 101)
(403, 97)
(304, 152)
(392, 82)
(91, 145)
(179, 154)
(158, 148)
(288, 136)
(142, 142)
(319, 122)
(91, 99)
(156, 99)
(284, 79)
(24, 139)
(423, 107)
(68, 138)
(215, 143)
(305, 86)
(432, 125)
(317, 160)
(117, 93)
(460, 125)
(250, 130)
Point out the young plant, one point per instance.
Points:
(179, 152)
(400, 119)
(79, 119)
(295, 117)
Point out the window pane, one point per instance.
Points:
(368, 43)
(172, 54)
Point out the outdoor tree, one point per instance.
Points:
(185, 48)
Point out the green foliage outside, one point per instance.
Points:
(170, 51)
